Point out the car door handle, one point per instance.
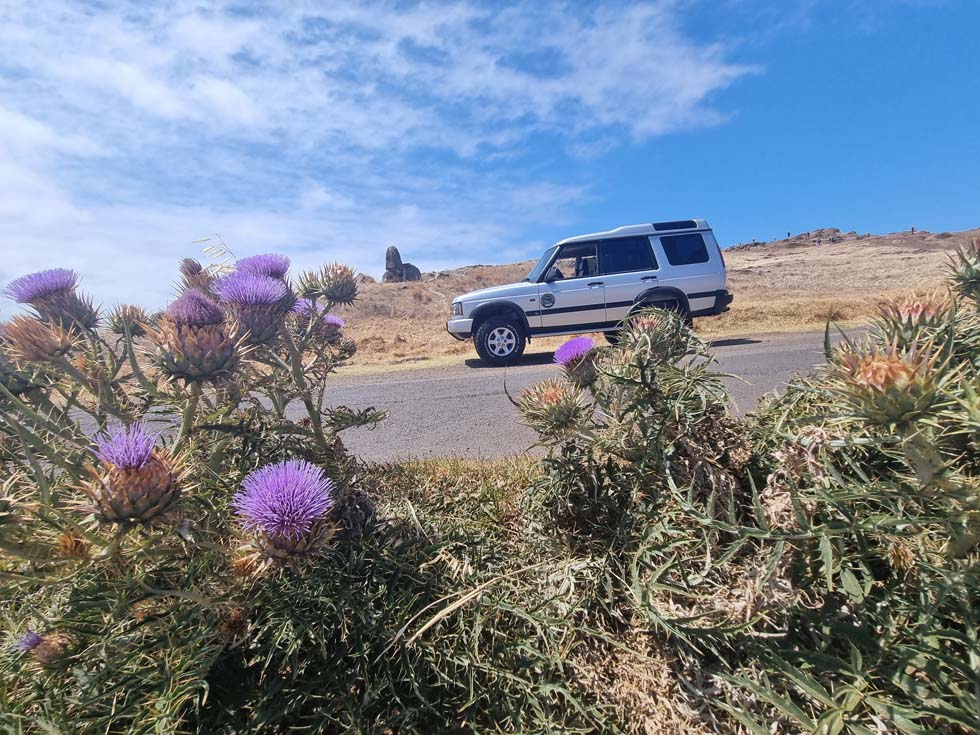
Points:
(590, 284)
(649, 278)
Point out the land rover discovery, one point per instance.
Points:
(591, 283)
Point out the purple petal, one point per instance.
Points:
(29, 641)
(573, 349)
(249, 289)
(35, 286)
(127, 447)
(195, 309)
(285, 499)
(272, 265)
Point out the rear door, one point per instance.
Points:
(576, 300)
(628, 267)
(692, 263)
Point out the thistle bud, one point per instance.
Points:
(964, 265)
(71, 545)
(335, 283)
(48, 650)
(130, 319)
(34, 341)
(137, 482)
(194, 277)
(887, 387)
(11, 377)
(285, 507)
(553, 408)
(193, 341)
(259, 303)
(912, 319)
(658, 335)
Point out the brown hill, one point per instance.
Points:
(783, 285)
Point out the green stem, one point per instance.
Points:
(187, 420)
(296, 364)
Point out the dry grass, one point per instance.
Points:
(782, 286)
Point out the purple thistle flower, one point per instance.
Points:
(195, 309)
(126, 447)
(284, 500)
(272, 265)
(249, 289)
(29, 641)
(573, 349)
(36, 286)
(333, 320)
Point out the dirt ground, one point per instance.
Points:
(780, 286)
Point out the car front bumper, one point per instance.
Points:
(460, 328)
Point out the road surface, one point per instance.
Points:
(462, 411)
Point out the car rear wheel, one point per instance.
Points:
(499, 340)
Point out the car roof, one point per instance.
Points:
(653, 228)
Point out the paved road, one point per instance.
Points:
(462, 410)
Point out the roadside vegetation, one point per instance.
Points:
(665, 568)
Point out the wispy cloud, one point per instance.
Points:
(327, 130)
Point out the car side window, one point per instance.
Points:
(685, 249)
(626, 254)
(576, 260)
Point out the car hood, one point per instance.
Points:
(496, 292)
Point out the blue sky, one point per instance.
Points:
(469, 132)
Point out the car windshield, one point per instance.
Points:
(538, 269)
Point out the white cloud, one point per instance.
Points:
(128, 129)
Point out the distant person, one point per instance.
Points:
(913, 229)
(788, 236)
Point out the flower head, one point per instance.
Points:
(128, 318)
(29, 641)
(127, 447)
(195, 309)
(272, 265)
(574, 349)
(33, 340)
(249, 289)
(284, 500)
(41, 285)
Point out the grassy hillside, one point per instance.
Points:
(784, 285)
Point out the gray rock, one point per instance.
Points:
(393, 260)
(411, 273)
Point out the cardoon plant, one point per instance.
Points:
(286, 507)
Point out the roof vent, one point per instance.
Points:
(684, 224)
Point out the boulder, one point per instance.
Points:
(396, 271)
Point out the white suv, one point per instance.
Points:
(590, 283)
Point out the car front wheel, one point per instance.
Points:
(499, 340)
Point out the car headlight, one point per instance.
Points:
(457, 309)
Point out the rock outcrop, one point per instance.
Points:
(396, 271)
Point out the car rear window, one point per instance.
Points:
(625, 254)
(685, 249)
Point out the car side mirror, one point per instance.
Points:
(553, 274)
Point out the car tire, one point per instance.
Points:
(500, 340)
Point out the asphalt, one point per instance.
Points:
(463, 411)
